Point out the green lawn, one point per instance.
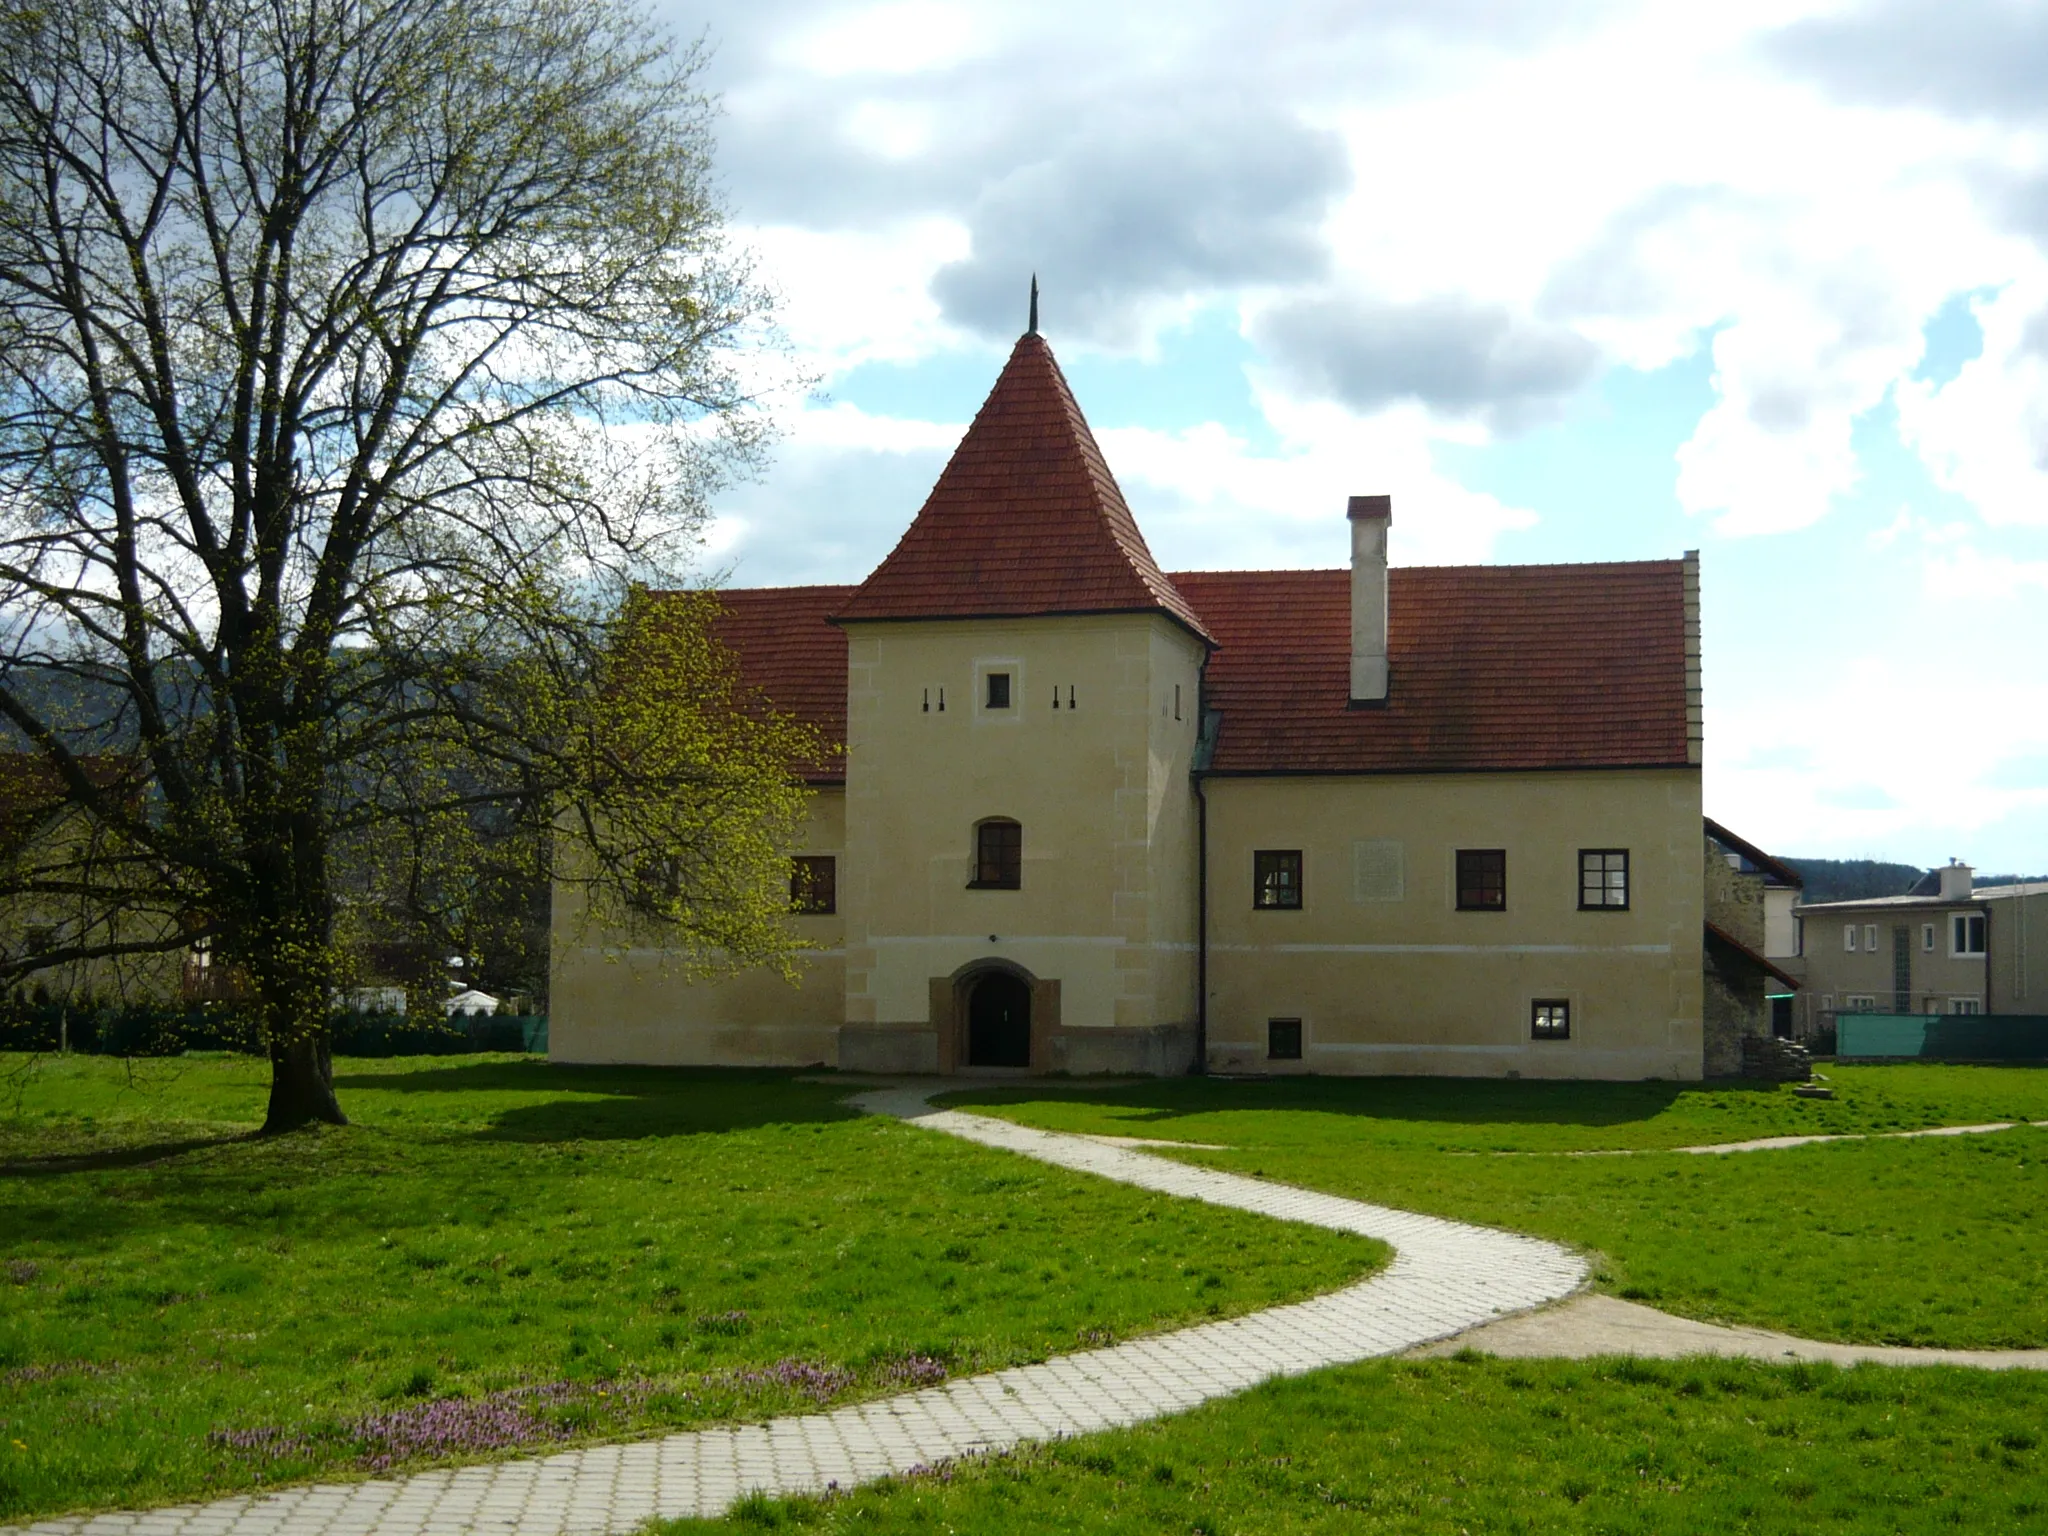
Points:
(503, 1255)
(1470, 1445)
(1925, 1241)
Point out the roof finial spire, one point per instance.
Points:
(1034, 305)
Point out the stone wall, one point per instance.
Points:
(1734, 1006)
(1735, 901)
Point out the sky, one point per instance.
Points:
(1587, 280)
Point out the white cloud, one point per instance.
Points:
(1984, 434)
(1552, 189)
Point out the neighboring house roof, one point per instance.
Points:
(1726, 940)
(1774, 871)
(1026, 520)
(1888, 902)
(796, 659)
(2017, 888)
(1492, 667)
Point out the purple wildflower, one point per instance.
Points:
(913, 1371)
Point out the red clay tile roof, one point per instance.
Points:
(1026, 519)
(797, 660)
(1493, 667)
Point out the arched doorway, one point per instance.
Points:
(999, 1021)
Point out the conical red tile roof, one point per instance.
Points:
(1025, 520)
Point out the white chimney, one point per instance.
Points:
(1370, 517)
(1955, 882)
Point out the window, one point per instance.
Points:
(1966, 933)
(1482, 879)
(1827, 1002)
(1927, 937)
(1849, 937)
(998, 856)
(1550, 1018)
(1965, 1005)
(1859, 1003)
(1176, 701)
(999, 690)
(814, 884)
(1276, 879)
(1603, 879)
(1283, 1039)
(1870, 937)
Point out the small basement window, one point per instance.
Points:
(999, 690)
(1550, 1018)
(1283, 1039)
(1276, 879)
(814, 884)
(1482, 879)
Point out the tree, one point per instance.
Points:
(360, 362)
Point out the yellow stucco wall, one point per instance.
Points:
(1106, 903)
(614, 999)
(1415, 986)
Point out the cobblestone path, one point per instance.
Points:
(1445, 1277)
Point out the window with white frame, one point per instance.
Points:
(1859, 1002)
(1966, 933)
(1965, 1005)
(1927, 937)
(1870, 938)
(1849, 937)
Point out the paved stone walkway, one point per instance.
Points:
(1779, 1143)
(1445, 1277)
(1587, 1326)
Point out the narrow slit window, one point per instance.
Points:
(1176, 701)
(1070, 695)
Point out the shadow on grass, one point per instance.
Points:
(1423, 1100)
(118, 1157)
(614, 1103)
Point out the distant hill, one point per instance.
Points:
(1861, 879)
(1853, 879)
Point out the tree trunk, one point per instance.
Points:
(301, 1084)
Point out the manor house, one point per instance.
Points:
(1095, 817)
